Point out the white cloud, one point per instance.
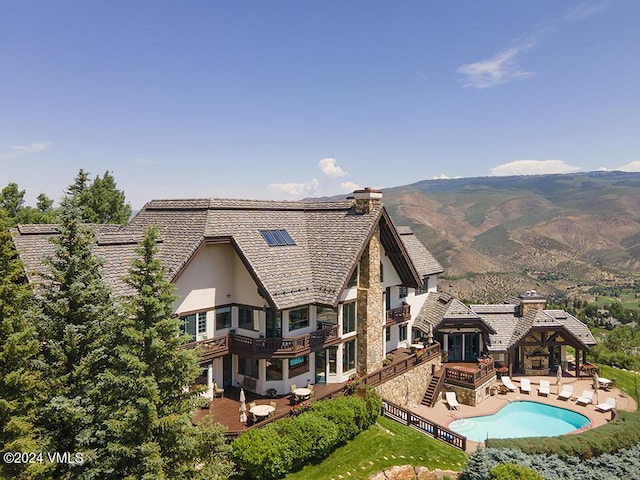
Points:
(296, 189)
(349, 186)
(21, 150)
(532, 167)
(492, 72)
(330, 169)
(583, 11)
(630, 167)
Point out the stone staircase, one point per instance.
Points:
(433, 389)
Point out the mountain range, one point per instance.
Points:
(500, 236)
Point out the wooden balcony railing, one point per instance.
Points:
(211, 348)
(285, 347)
(473, 379)
(399, 315)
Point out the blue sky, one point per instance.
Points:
(287, 99)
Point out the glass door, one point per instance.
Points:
(321, 366)
(471, 347)
(274, 324)
(455, 347)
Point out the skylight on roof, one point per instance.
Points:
(275, 238)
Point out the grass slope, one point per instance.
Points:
(385, 444)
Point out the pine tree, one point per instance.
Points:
(19, 379)
(74, 305)
(144, 417)
(100, 201)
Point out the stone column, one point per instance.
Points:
(370, 328)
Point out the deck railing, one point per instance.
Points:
(211, 347)
(274, 347)
(399, 315)
(470, 379)
(385, 373)
(423, 425)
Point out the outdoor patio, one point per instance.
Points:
(441, 414)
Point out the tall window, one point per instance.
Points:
(249, 318)
(248, 366)
(274, 369)
(402, 330)
(223, 318)
(387, 334)
(298, 366)
(298, 318)
(349, 356)
(349, 317)
(194, 324)
(381, 273)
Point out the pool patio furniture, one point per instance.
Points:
(452, 400)
(544, 388)
(506, 381)
(586, 398)
(609, 404)
(525, 385)
(566, 393)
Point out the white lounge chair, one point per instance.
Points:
(525, 385)
(586, 398)
(544, 387)
(452, 400)
(506, 381)
(609, 404)
(566, 393)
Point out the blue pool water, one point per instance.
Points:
(520, 419)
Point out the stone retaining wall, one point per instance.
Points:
(407, 390)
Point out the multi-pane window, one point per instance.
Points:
(402, 293)
(349, 317)
(326, 316)
(298, 318)
(349, 356)
(298, 366)
(274, 369)
(248, 366)
(424, 288)
(223, 318)
(402, 330)
(249, 318)
(387, 334)
(194, 324)
(277, 237)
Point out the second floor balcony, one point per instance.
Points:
(399, 315)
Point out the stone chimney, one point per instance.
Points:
(531, 300)
(366, 199)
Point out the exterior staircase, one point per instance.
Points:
(433, 389)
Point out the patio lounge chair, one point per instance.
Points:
(608, 405)
(506, 381)
(452, 400)
(566, 393)
(525, 385)
(586, 398)
(544, 388)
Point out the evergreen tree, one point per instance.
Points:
(144, 417)
(19, 380)
(12, 199)
(44, 203)
(74, 305)
(100, 201)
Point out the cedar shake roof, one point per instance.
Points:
(329, 239)
(425, 263)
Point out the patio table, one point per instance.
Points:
(302, 393)
(262, 410)
(604, 383)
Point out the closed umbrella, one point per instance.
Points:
(596, 384)
(243, 407)
(559, 377)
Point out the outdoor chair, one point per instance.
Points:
(292, 393)
(544, 388)
(452, 400)
(274, 405)
(566, 393)
(506, 381)
(217, 391)
(525, 385)
(250, 405)
(310, 387)
(586, 398)
(609, 404)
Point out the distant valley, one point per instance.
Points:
(499, 236)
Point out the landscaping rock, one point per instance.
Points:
(407, 472)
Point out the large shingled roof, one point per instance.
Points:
(329, 239)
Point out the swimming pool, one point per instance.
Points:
(520, 419)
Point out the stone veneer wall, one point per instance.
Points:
(407, 390)
(470, 397)
(370, 321)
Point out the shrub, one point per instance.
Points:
(511, 471)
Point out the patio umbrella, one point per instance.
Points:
(243, 407)
(559, 377)
(430, 337)
(596, 384)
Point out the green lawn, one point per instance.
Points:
(383, 445)
(625, 380)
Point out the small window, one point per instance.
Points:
(249, 318)
(298, 318)
(387, 334)
(353, 281)
(202, 322)
(402, 292)
(223, 318)
(381, 273)
(277, 237)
